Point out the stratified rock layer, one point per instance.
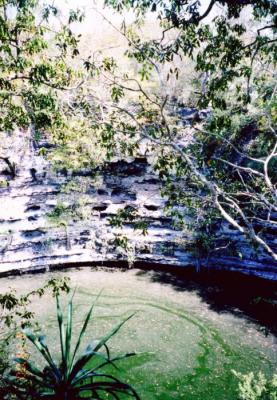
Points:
(34, 236)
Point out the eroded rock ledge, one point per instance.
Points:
(33, 240)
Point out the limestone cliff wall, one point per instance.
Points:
(31, 238)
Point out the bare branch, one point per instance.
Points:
(236, 166)
(267, 178)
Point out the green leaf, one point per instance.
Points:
(68, 334)
(62, 334)
(107, 337)
(82, 332)
(43, 349)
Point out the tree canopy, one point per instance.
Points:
(225, 165)
(220, 167)
(42, 77)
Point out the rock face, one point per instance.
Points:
(45, 220)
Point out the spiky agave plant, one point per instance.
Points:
(76, 377)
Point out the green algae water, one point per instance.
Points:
(185, 350)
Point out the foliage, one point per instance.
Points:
(41, 82)
(76, 377)
(31, 71)
(213, 169)
(16, 314)
(128, 215)
(78, 148)
(222, 166)
(256, 387)
(15, 309)
(60, 213)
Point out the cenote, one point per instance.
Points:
(186, 345)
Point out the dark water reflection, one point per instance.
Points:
(247, 296)
(190, 330)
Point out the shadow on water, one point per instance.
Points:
(242, 295)
(185, 349)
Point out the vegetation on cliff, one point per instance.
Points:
(213, 143)
(218, 165)
(223, 166)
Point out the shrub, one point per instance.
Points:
(256, 387)
(76, 377)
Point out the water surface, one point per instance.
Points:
(185, 349)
